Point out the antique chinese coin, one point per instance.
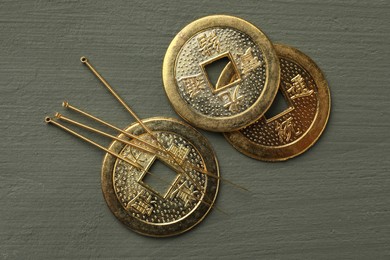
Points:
(157, 202)
(291, 131)
(204, 100)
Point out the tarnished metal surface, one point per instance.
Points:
(298, 127)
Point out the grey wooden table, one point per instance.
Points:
(333, 202)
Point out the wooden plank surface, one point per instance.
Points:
(333, 202)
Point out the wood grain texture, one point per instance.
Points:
(333, 202)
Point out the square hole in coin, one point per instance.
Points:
(161, 179)
(221, 72)
(279, 106)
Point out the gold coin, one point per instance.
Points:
(292, 131)
(162, 203)
(246, 51)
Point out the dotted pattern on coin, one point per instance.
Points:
(128, 188)
(300, 115)
(190, 77)
(295, 129)
(185, 194)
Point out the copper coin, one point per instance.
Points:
(292, 131)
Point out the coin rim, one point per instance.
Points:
(285, 152)
(174, 228)
(230, 123)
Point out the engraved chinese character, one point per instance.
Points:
(193, 84)
(286, 129)
(141, 203)
(208, 43)
(232, 99)
(249, 62)
(298, 88)
(180, 152)
(138, 155)
(184, 193)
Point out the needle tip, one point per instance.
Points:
(84, 59)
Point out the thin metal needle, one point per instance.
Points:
(51, 121)
(73, 108)
(186, 163)
(134, 164)
(92, 129)
(85, 61)
(194, 167)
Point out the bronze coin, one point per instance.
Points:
(292, 131)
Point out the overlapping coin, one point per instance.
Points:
(250, 57)
(292, 131)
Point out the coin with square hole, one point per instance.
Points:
(193, 69)
(169, 193)
(297, 116)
